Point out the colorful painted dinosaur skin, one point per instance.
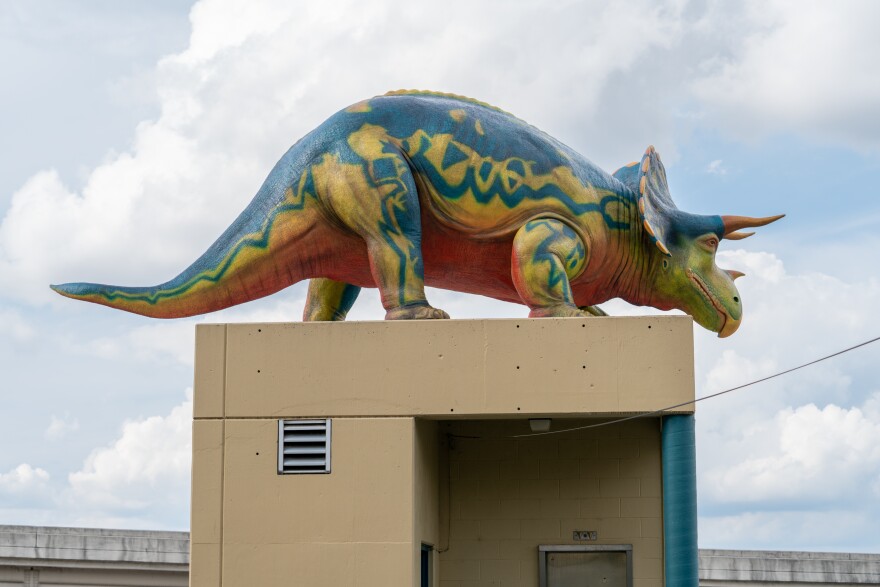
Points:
(415, 188)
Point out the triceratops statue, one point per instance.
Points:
(415, 188)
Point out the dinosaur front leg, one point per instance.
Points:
(386, 214)
(546, 254)
(329, 300)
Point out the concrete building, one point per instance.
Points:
(730, 568)
(32, 556)
(435, 477)
(401, 453)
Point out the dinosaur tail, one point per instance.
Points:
(203, 287)
(247, 262)
(232, 271)
(161, 301)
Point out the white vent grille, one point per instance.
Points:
(303, 446)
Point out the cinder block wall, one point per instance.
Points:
(507, 496)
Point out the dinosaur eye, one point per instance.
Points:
(711, 243)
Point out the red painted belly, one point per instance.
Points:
(455, 262)
(451, 260)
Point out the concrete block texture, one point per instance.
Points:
(542, 497)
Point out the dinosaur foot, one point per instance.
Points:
(559, 311)
(416, 312)
(593, 310)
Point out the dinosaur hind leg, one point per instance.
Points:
(387, 217)
(329, 300)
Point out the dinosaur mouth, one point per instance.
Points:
(702, 288)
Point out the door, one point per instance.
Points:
(586, 566)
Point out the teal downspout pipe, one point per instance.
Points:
(680, 501)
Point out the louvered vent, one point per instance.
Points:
(303, 446)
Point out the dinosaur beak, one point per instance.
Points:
(734, 223)
(730, 326)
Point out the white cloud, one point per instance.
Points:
(174, 340)
(804, 456)
(226, 24)
(819, 312)
(821, 496)
(255, 78)
(61, 427)
(832, 530)
(805, 442)
(731, 369)
(25, 486)
(14, 325)
(147, 467)
(140, 480)
(799, 68)
(716, 168)
(24, 479)
(156, 342)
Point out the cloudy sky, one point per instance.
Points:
(133, 133)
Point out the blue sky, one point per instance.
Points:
(134, 133)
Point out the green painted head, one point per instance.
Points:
(682, 249)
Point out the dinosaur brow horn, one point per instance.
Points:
(734, 223)
(738, 236)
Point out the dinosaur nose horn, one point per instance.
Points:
(734, 223)
(734, 275)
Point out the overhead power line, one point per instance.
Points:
(694, 401)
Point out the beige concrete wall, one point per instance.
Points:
(351, 527)
(362, 525)
(444, 368)
(206, 523)
(382, 383)
(209, 397)
(483, 500)
(508, 496)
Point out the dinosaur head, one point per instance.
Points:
(681, 250)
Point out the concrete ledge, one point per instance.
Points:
(719, 567)
(445, 368)
(42, 545)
